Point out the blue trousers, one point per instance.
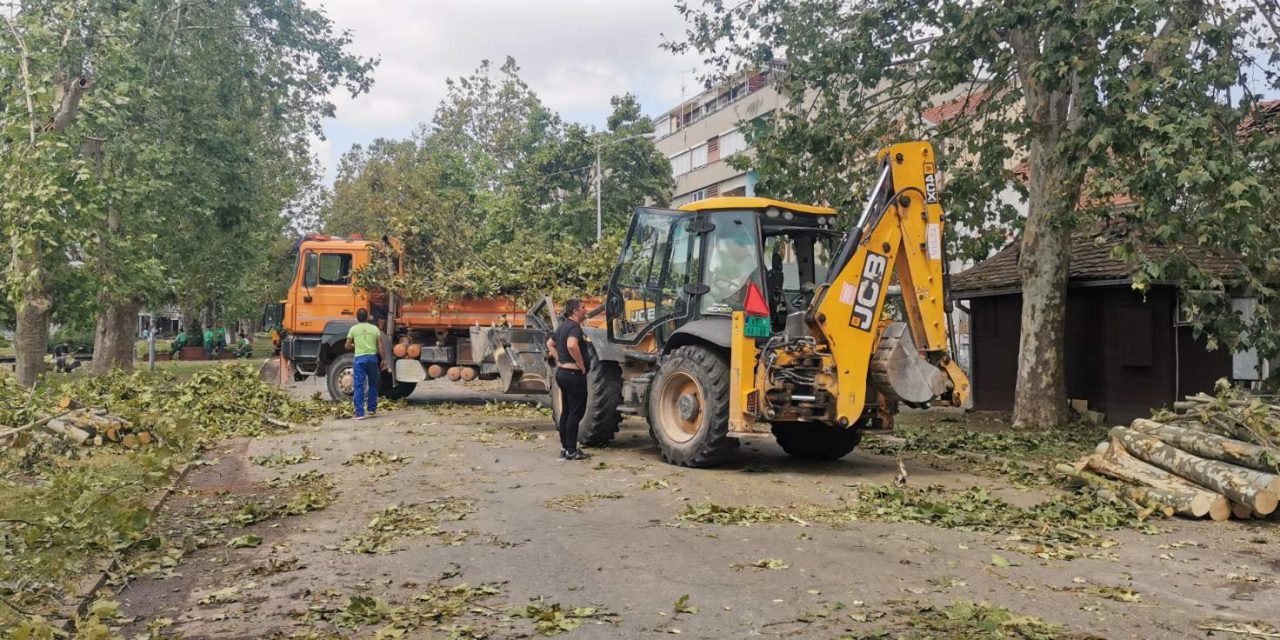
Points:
(365, 371)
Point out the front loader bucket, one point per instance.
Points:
(522, 362)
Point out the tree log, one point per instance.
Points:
(1160, 485)
(1208, 445)
(1241, 511)
(1132, 497)
(1254, 488)
(30, 425)
(70, 432)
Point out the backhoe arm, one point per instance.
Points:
(899, 232)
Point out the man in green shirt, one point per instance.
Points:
(244, 348)
(179, 341)
(208, 344)
(367, 341)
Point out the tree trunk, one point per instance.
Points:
(31, 324)
(1040, 395)
(1246, 486)
(1209, 445)
(113, 343)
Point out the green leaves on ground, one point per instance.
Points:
(277, 459)
(64, 507)
(945, 439)
(682, 605)
(1055, 528)
(770, 563)
(966, 620)
(580, 501)
(381, 460)
(553, 619)
(463, 612)
(410, 521)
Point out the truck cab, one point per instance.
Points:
(322, 301)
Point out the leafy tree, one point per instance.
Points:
(174, 158)
(497, 193)
(1099, 98)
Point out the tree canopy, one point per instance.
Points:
(496, 193)
(1069, 104)
(151, 149)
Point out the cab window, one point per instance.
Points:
(733, 262)
(335, 269)
(309, 274)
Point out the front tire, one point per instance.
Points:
(815, 440)
(689, 408)
(340, 378)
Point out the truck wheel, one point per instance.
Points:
(602, 419)
(398, 391)
(816, 440)
(341, 378)
(689, 408)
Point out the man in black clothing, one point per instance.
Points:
(571, 377)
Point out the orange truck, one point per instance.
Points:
(427, 339)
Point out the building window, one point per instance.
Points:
(680, 164)
(731, 143)
(713, 149)
(662, 127)
(699, 156)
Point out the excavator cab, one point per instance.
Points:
(700, 262)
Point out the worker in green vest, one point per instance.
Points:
(371, 355)
(244, 348)
(179, 341)
(208, 343)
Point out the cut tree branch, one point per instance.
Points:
(73, 89)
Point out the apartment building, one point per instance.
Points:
(699, 136)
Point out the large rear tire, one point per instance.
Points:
(603, 418)
(816, 441)
(689, 408)
(340, 378)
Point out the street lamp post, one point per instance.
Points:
(600, 178)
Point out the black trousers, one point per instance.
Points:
(573, 405)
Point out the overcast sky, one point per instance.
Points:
(574, 53)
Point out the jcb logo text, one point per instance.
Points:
(864, 305)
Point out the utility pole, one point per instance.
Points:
(600, 178)
(599, 182)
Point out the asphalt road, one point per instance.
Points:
(606, 533)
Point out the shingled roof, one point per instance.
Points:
(1091, 261)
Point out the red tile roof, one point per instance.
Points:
(964, 105)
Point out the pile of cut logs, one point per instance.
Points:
(83, 426)
(1211, 456)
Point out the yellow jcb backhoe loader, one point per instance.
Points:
(733, 316)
